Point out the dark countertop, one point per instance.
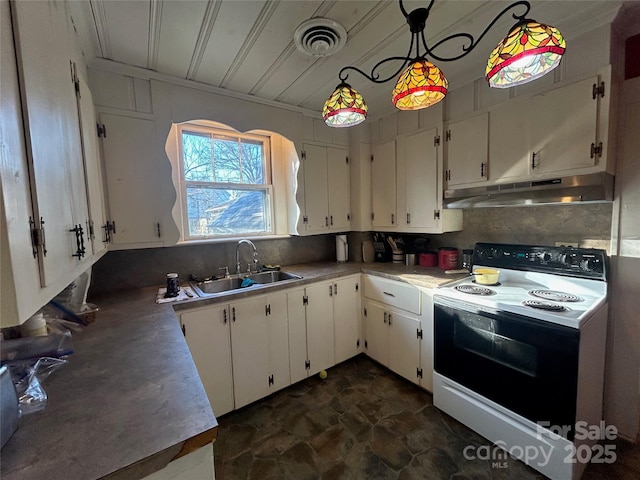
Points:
(130, 399)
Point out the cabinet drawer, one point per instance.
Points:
(395, 294)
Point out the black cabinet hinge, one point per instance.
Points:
(371, 158)
(305, 300)
(348, 217)
(270, 380)
(373, 216)
(184, 330)
(357, 286)
(419, 333)
(358, 343)
(346, 160)
(365, 312)
(596, 150)
(419, 372)
(305, 219)
(37, 237)
(447, 136)
(303, 154)
(267, 310)
(102, 130)
(366, 345)
(436, 214)
(436, 140)
(598, 90)
(307, 364)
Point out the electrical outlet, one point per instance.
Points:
(567, 244)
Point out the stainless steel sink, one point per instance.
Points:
(272, 277)
(214, 287)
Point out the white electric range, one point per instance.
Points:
(523, 359)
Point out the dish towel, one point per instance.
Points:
(185, 293)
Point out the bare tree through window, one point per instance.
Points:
(227, 186)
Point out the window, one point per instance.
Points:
(225, 183)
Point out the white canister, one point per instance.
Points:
(34, 327)
(342, 248)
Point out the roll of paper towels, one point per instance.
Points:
(342, 248)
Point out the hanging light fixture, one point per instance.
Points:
(529, 51)
(344, 108)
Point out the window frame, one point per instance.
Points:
(267, 186)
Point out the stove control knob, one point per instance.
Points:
(544, 256)
(588, 264)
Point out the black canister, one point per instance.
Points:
(467, 258)
(173, 285)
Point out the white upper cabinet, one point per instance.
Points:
(52, 180)
(53, 135)
(326, 189)
(139, 197)
(467, 146)
(420, 185)
(92, 167)
(383, 186)
(559, 132)
(338, 183)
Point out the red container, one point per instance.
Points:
(429, 259)
(448, 258)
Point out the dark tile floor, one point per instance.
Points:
(364, 422)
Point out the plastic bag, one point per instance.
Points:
(28, 376)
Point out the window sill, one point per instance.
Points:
(254, 238)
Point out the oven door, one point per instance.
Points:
(526, 365)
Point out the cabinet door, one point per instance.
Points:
(138, 198)
(404, 344)
(320, 327)
(346, 318)
(338, 184)
(249, 350)
(509, 140)
(278, 340)
(562, 126)
(92, 166)
(208, 337)
(467, 150)
(53, 138)
(315, 188)
(426, 343)
(20, 283)
(296, 316)
(421, 179)
(383, 185)
(376, 332)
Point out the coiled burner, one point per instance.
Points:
(474, 290)
(555, 296)
(542, 305)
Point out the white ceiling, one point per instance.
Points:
(247, 46)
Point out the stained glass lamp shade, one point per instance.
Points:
(344, 108)
(530, 51)
(420, 85)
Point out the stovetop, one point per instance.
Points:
(557, 284)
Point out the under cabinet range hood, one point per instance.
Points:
(595, 187)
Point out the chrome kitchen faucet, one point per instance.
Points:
(255, 256)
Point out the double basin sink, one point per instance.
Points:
(223, 285)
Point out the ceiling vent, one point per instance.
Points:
(320, 37)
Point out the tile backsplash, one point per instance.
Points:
(121, 269)
(589, 225)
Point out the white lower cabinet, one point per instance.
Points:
(207, 332)
(259, 346)
(393, 336)
(324, 325)
(241, 350)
